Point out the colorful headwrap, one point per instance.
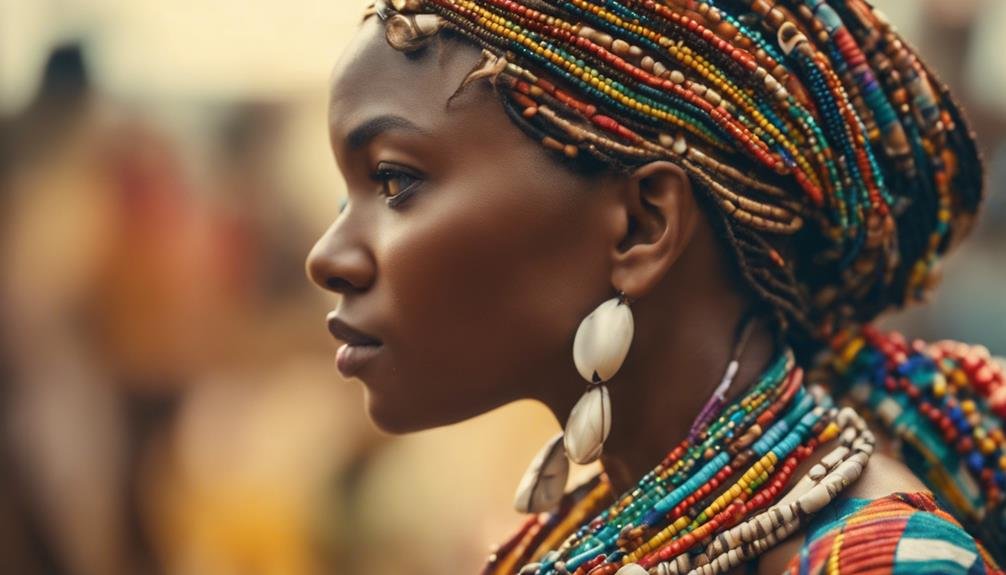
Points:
(838, 167)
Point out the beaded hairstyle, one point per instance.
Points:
(784, 113)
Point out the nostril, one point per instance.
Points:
(339, 285)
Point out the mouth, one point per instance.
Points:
(358, 347)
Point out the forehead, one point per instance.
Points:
(372, 78)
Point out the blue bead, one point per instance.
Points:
(955, 413)
(573, 562)
(976, 461)
(831, 20)
(652, 517)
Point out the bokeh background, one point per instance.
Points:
(168, 401)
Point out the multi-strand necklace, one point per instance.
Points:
(716, 500)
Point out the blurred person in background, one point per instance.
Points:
(61, 436)
(156, 402)
(100, 325)
(727, 201)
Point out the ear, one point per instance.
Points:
(660, 216)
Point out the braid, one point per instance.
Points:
(783, 113)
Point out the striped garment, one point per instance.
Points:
(903, 533)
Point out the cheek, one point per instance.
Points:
(486, 284)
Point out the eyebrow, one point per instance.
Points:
(362, 135)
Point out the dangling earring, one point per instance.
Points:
(601, 343)
(544, 482)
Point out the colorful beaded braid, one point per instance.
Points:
(781, 112)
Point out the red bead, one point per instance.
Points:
(965, 444)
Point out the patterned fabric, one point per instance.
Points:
(903, 533)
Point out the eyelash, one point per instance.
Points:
(388, 173)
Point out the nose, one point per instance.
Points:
(340, 262)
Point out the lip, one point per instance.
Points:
(350, 359)
(358, 347)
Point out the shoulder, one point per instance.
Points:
(898, 533)
(888, 522)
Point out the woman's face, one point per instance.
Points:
(476, 275)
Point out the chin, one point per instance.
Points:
(394, 416)
(400, 415)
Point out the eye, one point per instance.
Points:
(397, 182)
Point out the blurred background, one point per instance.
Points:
(168, 398)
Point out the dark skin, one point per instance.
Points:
(476, 282)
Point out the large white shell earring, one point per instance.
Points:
(601, 343)
(599, 348)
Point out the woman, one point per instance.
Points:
(682, 262)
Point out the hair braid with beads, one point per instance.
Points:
(840, 169)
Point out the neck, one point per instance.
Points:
(659, 398)
(670, 374)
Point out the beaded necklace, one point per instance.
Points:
(945, 402)
(714, 501)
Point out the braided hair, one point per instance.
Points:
(835, 165)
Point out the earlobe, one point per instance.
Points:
(660, 216)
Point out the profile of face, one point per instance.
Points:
(470, 251)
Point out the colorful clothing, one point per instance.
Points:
(902, 533)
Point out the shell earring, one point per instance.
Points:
(599, 348)
(544, 482)
(601, 343)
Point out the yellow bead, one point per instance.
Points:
(830, 432)
(939, 385)
(988, 446)
(959, 378)
(852, 349)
